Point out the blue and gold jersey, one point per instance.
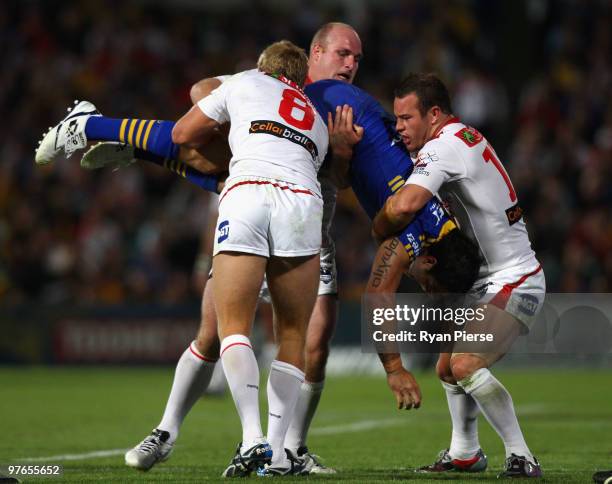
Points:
(380, 163)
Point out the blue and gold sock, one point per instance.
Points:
(150, 135)
(207, 182)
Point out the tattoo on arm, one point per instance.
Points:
(382, 268)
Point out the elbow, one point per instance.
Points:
(403, 208)
(196, 93)
(203, 88)
(179, 134)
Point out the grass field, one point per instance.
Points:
(566, 416)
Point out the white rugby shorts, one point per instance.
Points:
(268, 217)
(519, 291)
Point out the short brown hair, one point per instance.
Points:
(286, 59)
(430, 90)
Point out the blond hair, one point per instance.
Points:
(286, 59)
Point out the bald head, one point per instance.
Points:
(336, 28)
(335, 53)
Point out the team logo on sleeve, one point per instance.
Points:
(469, 136)
(279, 130)
(223, 230)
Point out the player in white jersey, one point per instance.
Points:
(456, 162)
(335, 53)
(269, 223)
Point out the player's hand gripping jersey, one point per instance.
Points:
(275, 131)
(380, 164)
(461, 166)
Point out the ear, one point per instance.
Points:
(435, 113)
(429, 261)
(317, 50)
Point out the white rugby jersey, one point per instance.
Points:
(463, 169)
(275, 130)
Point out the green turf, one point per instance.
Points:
(566, 416)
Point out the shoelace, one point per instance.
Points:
(297, 461)
(443, 456)
(150, 445)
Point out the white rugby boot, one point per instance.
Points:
(153, 449)
(68, 135)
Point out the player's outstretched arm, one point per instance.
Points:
(399, 210)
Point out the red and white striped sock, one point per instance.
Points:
(191, 378)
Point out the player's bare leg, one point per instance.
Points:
(471, 371)
(293, 284)
(320, 331)
(236, 283)
(191, 378)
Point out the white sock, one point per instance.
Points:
(191, 378)
(283, 391)
(305, 408)
(464, 416)
(242, 374)
(496, 405)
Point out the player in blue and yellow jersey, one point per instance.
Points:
(430, 249)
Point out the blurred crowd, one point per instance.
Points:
(534, 76)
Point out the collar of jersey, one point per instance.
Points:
(452, 120)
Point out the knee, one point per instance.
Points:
(207, 341)
(443, 370)
(465, 364)
(208, 348)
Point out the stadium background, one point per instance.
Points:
(98, 267)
